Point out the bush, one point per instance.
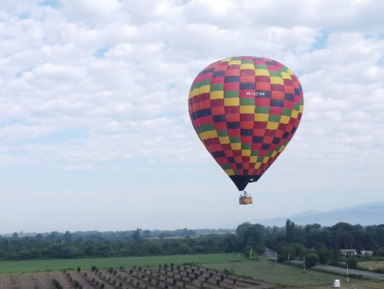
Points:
(311, 260)
(379, 270)
(228, 271)
(352, 263)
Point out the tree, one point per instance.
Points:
(314, 236)
(342, 236)
(231, 243)
(136, 235)
(324, 254)
(290, 231)
(352, 262)
(311, 260)
(288, 251)
(185, 249)
(146, 233)
(251, 235)
(241, 232)
(68, 237)
(15, 236)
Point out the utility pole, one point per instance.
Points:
(347, 274)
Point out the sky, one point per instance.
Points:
(94, 126)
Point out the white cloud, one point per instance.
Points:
(95, 13)
(88, 83)
(145, 69)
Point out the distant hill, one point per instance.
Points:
(364, 214)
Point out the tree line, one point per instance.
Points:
(291, 241)
(313, 243)
(110, 244)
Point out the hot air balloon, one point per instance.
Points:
(245, 111)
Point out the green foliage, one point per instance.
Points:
(231, 243)
(379, 270)
(290, 231)
(251, 235)
(352, 262)
(311, 260)
(112, 244)
(105, 263)
(290, 242)
(325, 255)
(288, 251)
(287, 276)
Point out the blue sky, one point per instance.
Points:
(94, 125)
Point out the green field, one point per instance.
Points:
(262, 269)
(372, 265)
(57, 265)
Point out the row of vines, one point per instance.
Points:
(158, 277)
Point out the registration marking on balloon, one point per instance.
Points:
(245, 110)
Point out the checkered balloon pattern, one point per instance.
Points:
(245, 110)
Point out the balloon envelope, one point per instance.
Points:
(245, 110)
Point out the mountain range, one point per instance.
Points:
(364, 214)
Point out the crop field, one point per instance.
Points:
(162, 276)
(211, 271)
(372, 265)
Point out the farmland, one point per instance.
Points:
(372, 265)
(212, 271)
(165, 276)
(62, 264)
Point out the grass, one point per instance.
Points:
(291, 277)
(277, 273)
(371, 265)
(61, 264)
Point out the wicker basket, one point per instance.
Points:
(245, 200)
